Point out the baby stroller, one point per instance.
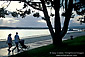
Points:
(23, 46)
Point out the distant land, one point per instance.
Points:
(23, 28)
(75, 27)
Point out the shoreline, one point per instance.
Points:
(4, 37)
(3, 44)
(34, 36)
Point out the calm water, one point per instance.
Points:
(23, 33)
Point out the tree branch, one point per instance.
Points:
(67, 18)
(52, 3)
(47, 18)
(33, 6)
(8, 4)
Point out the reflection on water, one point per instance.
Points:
(23, 33)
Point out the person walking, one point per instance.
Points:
(17, 39)
(9, 41)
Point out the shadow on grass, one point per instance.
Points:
(75, 46)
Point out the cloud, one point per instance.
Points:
(30, 21)
(1, 21)
(12, 6)
(43, 21)
(74, 23)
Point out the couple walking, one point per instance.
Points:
(16, 39)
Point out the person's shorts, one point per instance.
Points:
(10, 44)
(16, 43)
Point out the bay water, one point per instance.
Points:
(24, 33)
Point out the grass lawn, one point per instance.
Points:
(75, 47)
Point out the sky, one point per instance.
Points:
(29, 20)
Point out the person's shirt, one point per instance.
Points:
(16, 38)
(9, 40)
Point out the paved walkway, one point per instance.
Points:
(4, 52)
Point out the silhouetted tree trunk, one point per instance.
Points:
(57, 39)
(67, 17)
(47, 18)
(58, 34)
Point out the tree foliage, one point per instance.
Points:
(55, 5)
(79, 7)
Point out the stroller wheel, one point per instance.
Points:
(28, 47)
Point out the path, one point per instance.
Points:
(38, 42)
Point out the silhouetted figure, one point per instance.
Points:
(16, 37)
(9, 41)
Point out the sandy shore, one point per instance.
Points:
(3, 44)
